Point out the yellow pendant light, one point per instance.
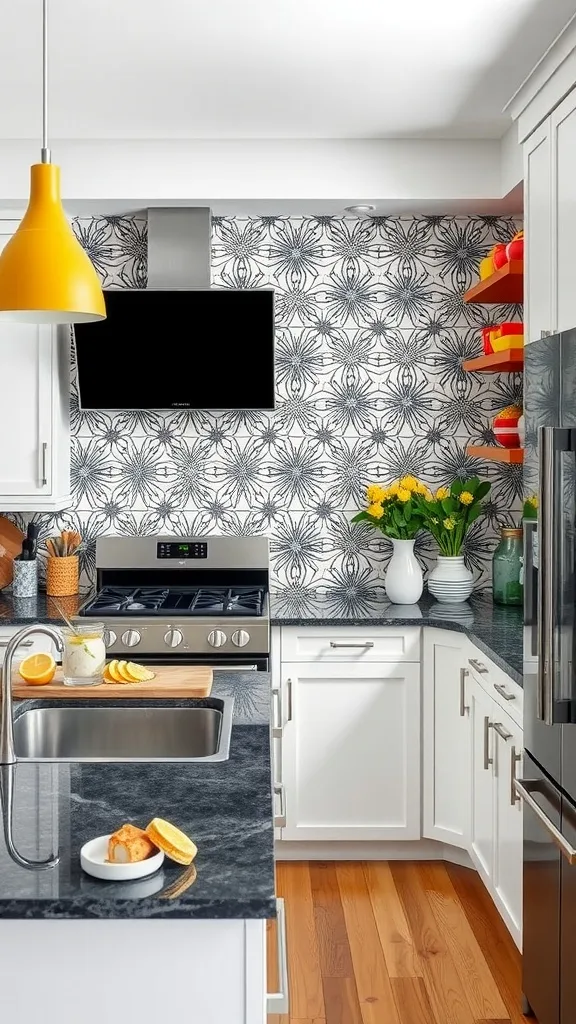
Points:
(46, 277)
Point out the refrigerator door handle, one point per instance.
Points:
(547, 575)
(523, 788)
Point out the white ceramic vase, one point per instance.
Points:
(404, 576)
(450, 581)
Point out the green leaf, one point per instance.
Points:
(360, 517)
(449, 506)
(472, 484)
(457, 488)
(482, 490)
(408, 511)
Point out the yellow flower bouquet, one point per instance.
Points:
(450, 513)
(395, 510)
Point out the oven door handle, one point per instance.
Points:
(523, 788)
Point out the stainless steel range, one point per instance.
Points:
(194, 599)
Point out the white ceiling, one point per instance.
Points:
(237, 69)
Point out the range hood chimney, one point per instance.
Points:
(179, 240)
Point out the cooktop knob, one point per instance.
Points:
(216, 638)
(173, 637)
(241, 637)
(109, 637)
(131, 637)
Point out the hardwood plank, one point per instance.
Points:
(502, 956)
(372, 982)
(306, 994)
(341, 999)
(401, 957)
(412, 1001)
(442, 981)
(493, 1020)
(307, 1020)
(333, 945)
(481, 990)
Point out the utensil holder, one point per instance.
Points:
(25, 579)
(62, 576)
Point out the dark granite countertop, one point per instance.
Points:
(226, 808)
(496, 630)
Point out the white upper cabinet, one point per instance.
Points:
(34, 416)
(538, 311)
(563, 138)
(446, 777)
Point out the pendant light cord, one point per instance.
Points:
(46, 156)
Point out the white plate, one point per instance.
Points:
(93, 860)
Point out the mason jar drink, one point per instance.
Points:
(84, 654)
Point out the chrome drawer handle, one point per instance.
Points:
(44, 477)
(523, 787)
(280, 819)
(487, 759)
(289, 688)
(277, 724)
(463, 706)
(514, 759)
(23, 643)
(477, 666)
(277, 1002)
(369, 643)
(502, 731)
(504, 693)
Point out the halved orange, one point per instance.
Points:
(38, 669)
(175, 843)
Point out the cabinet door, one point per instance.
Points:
(538, 269)
(351, 751)
(446, 737)
(482, 824)
(563, 134)
(507, 871)
(26, 410)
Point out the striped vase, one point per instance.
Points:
(450, 581)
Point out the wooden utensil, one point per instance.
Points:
(182, 681)
(10, 545)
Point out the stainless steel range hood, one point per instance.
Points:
(179, 240)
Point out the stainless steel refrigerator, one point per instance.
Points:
(548, 783)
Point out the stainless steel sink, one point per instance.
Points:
(125, 734)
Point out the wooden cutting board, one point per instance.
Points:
(182, 681)
(10, 545)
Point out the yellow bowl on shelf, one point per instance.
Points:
(486, 268)
(507, 341)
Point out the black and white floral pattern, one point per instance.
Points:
(371, 334)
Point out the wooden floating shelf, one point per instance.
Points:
(508, 360)
(504, 285)
(512, 456)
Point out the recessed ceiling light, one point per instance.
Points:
(360, 211)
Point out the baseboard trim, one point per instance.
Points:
(423, 849)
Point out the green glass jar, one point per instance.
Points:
(507, 568)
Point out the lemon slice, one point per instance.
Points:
(113, 671)
(175, 844)
(138, 673)
(38, 669)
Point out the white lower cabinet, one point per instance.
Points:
(351, 751)
(496, 835)
(446, 774)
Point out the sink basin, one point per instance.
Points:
(125, 734)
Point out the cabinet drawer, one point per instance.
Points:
(501, 688)
(350, 643)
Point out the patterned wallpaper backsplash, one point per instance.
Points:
(371, 331)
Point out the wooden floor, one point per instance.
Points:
(394, 943)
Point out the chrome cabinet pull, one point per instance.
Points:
(523, 788)
(478, 666)
(24, 643)
(546, 575)
(463, 706)
(280, 819)
(44, 478)
(499, 728)
(277, 724)
(277, 1002)
(369, 643)
(504, 693)
(487, 759)
(514, 759)
(289, 688)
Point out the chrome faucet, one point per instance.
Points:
(7, 755)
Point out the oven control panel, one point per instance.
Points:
(182, 549)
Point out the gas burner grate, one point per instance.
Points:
(187, 601)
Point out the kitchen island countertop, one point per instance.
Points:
(225, 807)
